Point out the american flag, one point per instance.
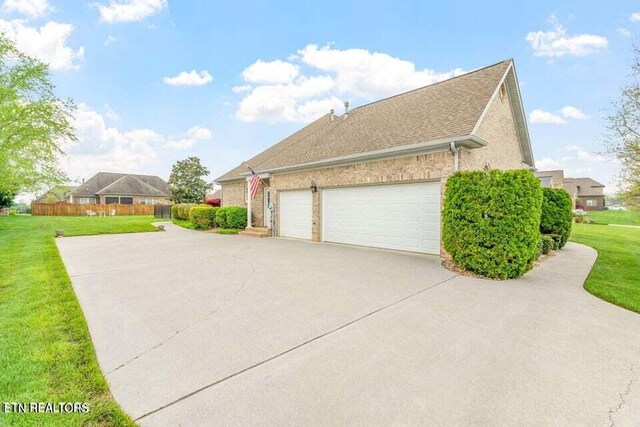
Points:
(254, 183)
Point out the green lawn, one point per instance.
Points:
(46, 354)
(616, 275)
(615, 217)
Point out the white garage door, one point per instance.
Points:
(295, 214)
(400, 216)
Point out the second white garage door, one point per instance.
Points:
(399, 216)
(295, 214)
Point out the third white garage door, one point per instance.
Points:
(400, 216)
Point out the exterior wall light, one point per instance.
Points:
(313, 187)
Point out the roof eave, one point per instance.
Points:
(464, 141)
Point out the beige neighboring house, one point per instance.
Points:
(586, 193)
(122, 188)
(375, 176)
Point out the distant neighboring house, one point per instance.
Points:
(586, 193)
(57, 194)
(126, 189)
(375, 176)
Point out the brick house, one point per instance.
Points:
(375, 176)
(123, 188)
(585, 193)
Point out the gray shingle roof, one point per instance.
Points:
(123, 184)
(439, 111)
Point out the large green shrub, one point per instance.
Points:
(491, 221)
(557, 215)
(203, 218)
(232, 217)
(181, 210)
(221, 218)
(236, 217)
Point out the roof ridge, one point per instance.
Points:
(431, 84)
(117, 180)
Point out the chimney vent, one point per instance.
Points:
(331, 114)
(346, 109)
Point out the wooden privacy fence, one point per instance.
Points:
(71, 209)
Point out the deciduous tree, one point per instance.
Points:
(624, 136)
(187, 182)
(34, 123)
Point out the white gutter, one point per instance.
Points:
(456, 154)
(465, 141)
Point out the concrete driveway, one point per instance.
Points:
(201, 329)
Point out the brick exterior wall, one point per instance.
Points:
(235, 194)
(424, 167)
(503, 148)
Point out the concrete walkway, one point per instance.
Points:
(202, 329)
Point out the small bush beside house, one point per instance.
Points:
(181, 210)
(236, 217)
(557, 216)
(203, 218)
(491, 221)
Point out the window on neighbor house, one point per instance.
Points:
(110, 200)
(592, 202)
(86, 201)
(126, 200)
(148, 201)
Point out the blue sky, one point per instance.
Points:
(159, 80)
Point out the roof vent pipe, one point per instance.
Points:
(346, 109)
(331, 114)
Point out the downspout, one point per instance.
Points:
(456, 154)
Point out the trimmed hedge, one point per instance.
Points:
(547, 243)
(203, 218)
(491, 221)
(557, 214)
(181, 210)
(231, 217)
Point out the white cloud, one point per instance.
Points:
(109, 40)
(47, 43)
(189, 138)
(370, 75)
(590, 157)
(548, 164)
(29, 8)
(189, 78)
(624, 32)
(240, 89)
(287, 103)
(573, 147)
(287, 94)
(545, 117)
(273, 72)
(110, 114)
(573, 113)
(129, 10)
(104, 148)
(556, 43)
(634, 17)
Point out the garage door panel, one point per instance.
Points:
(398, 216)
(296, 214)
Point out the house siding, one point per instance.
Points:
(503, 149)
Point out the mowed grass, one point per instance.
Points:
(46, 354)
(615, 276)
(615, 217)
